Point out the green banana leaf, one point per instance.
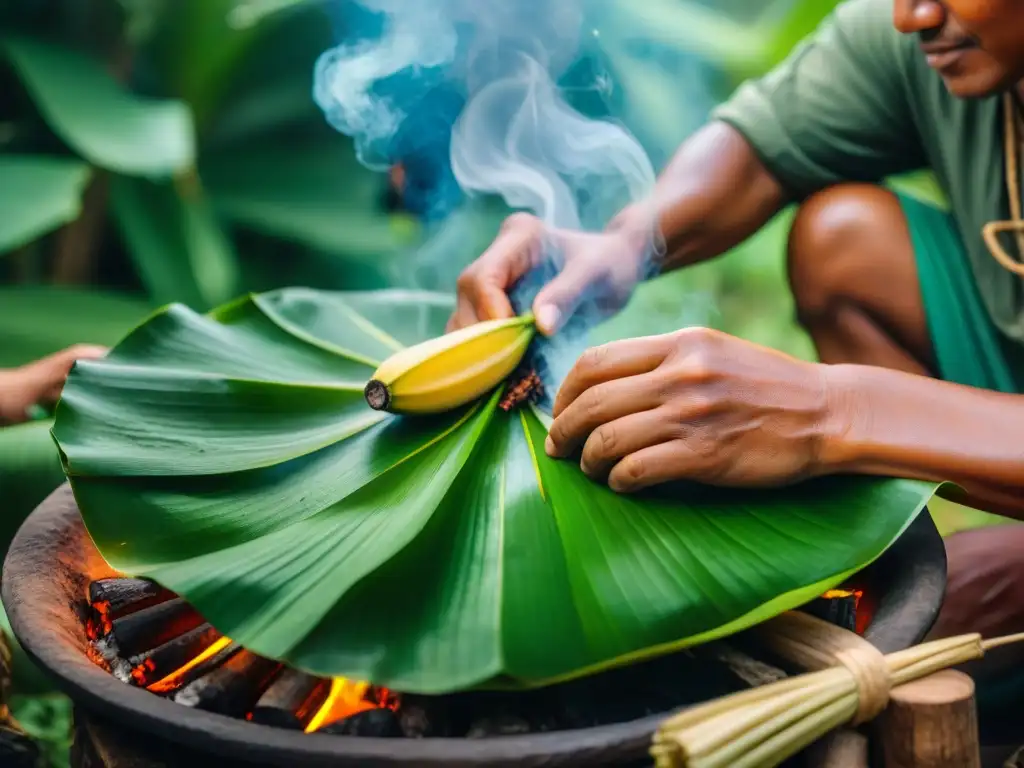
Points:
(232, 458)
(108, 126)
(38, 195)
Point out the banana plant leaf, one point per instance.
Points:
(232, 458)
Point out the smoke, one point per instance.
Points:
(518, 138)
(471, 97)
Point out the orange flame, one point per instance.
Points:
(347, 698)
(99, 625)
(174, 679)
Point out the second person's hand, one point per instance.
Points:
(602, 268)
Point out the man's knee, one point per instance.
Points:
(985, 594)
(985, 582)
(835, 239)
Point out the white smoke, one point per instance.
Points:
(517, 136)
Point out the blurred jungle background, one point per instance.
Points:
(156, 151)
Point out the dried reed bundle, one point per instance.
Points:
(850, 683)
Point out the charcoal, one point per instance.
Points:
(233, 688)
(500, 725)
(193, 671)
(381, 723)
(155, 665)
(118, 597)
(425, 717)
(151, 627)
(840, 610)
(291, 701)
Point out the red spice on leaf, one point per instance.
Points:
(527, 388)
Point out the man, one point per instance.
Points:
(919, 326)
(39, 382)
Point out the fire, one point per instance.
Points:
(174, 679)
(861, 607)
(835, 594)
(347, 698)
(99, 624)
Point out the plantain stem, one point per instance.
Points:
(377, 395)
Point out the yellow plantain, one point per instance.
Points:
(451, 370)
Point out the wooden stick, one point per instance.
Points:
(931, 723)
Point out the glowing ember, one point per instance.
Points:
(98, 625)
(837, 594)
(347, 698)
(861, 607)
(175, 679)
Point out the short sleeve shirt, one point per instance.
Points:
(858, 102)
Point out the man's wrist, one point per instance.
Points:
(638, 228)
(846, 425)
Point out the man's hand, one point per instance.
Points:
(39, 382)
(599, 267)
(692, 405)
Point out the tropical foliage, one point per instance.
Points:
(232, 457)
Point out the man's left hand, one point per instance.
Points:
(39, 382)
(693, 405)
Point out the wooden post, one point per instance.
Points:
(931, 723)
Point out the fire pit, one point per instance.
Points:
(149, 675)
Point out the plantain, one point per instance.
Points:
(450, 370)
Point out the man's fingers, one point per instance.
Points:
(464, 315)
(66, 357)
(599, 405)
(653, 465)
(616, 360)
(51, 372)
(557, 300)
(615, 440)
(485, 284)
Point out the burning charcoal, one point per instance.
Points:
(501, 725)
(212, 657)
(381, 723)
(151, 627)
(119, 597)
(837, 607)
(155, 665)
(232, 688)
(292, 700)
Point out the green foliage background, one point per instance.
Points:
(170, 150)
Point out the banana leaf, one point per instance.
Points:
(232, 458)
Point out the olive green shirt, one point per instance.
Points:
(858, 102)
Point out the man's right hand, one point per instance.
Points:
(600, 269)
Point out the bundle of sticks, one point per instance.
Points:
(849, 683)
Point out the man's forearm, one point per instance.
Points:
(713, 195)
(891, 423)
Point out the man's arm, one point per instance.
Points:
(714, 194)
(896, 424)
